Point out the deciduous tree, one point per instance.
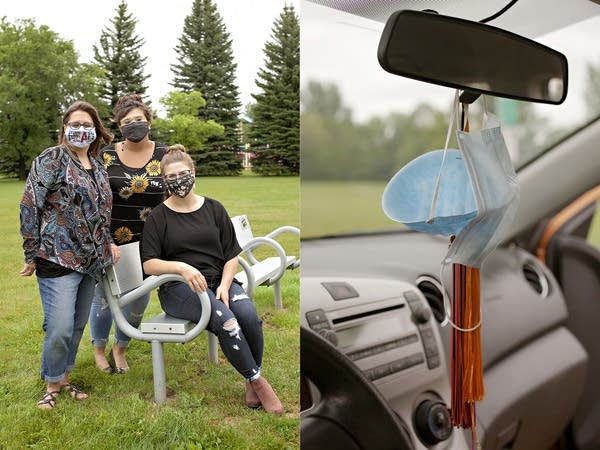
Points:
(182, 126)
(39, 77)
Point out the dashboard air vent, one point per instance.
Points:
(536, 278)
(432, 290)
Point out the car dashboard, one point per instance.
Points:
(378, 299)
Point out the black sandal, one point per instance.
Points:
(75, 393)
(48, 400)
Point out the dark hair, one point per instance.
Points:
(128, 102)
(176, 153)
(102, 134)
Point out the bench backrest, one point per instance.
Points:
(243, 232)
(127, 274)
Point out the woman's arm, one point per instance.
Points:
(42, 176)
(229, 271)
(193, 277)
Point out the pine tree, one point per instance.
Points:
(205, 64)
(276, 115)
(118, 54)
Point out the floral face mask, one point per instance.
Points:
(181, 186)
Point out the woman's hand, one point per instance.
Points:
(223, 294)
(27, 270)
(193, 277)
(115, 252)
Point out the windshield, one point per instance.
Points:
(360, 125)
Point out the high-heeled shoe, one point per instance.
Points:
(106, 369)
(118, 369)
(101, 366)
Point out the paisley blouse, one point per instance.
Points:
(65, 213)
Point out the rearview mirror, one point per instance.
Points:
(472, 56)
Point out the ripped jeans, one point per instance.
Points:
(101, 318)
(238, 327)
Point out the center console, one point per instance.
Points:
(386, 328)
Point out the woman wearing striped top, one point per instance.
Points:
(134, 171)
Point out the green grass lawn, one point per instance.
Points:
(337, 207)
(205, 408)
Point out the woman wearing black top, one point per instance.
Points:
(193, 236)
(133, 167)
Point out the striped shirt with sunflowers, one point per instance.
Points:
(135, 193)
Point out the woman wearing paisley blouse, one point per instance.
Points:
(65, 214)
(133, 167)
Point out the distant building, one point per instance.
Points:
(244, 153)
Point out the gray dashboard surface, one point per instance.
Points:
(513, 312)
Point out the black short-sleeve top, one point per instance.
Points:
(135, 192)
(205, 238)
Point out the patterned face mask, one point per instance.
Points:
(181, 186)
(80, 137)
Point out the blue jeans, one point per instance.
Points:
(101, 318)
(66, 302)
(241, 339)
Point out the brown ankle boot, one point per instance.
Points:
(252, 400)
(267, 396)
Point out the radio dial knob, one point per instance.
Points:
(432, 422)
(421, 315)
(330, 336)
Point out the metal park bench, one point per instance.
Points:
(267, 271)
(124, 283)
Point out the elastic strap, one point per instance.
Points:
(436, 190)
(448, 306)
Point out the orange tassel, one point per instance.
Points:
(466, 367)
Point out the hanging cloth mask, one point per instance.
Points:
(433, 193)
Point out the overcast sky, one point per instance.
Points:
(160, 24)
(342, 48)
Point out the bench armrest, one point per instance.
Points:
(284, 229)
(256, 242)
(149, 284)
(251, 281)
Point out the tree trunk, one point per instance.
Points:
(22, 168)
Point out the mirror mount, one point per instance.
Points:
(468, 96)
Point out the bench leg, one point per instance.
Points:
(277, 292)
(158, 370)
(213, 348)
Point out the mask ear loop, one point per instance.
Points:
(485, 111)
(436, 190)
(448, 306)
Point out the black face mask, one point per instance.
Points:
(135, 131)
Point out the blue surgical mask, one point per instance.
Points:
(407, 198)
(471, 194)
(80, 137)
